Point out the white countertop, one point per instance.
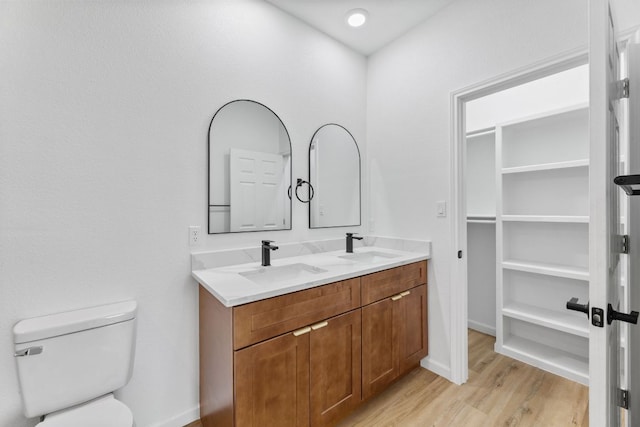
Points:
(231, 288)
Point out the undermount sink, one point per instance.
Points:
(371, 257)
(282, 273)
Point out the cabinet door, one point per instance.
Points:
(335, 368)
(413, 339)
(272, 383)
(379, 345)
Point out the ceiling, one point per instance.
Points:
(388, 19)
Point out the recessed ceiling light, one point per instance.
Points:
(357, 17)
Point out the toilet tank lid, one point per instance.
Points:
(53, 325)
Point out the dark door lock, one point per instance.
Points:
(597, 317)
(616, 315)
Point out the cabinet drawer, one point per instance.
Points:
(386, 283)
(261, 320)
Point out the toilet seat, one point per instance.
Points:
(104, 411)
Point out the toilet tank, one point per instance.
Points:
(69, 358)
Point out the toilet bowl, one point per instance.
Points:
(69, 364)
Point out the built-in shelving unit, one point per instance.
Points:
(542, 232)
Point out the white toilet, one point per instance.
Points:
(70, 363)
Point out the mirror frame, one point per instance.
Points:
(209, 205)
(359, 177)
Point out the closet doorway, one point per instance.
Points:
(541, 220)
(508, 202)
(527, 203)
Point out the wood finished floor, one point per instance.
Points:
(500, 392)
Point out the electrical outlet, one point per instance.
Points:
(194, 235)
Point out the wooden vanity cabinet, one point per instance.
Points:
(394, 329)
(307, 377)
(413, 339)
(271, 383)
(335, 370)
(301, 359)
(379, 345)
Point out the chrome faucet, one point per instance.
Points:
(350, 238)
(266, 252)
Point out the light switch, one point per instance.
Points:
(441, 208)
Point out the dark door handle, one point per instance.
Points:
(572, 304)
(616, 315)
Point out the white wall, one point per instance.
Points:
(481, 285)
(560, 90)
(627, 14)
(481, 237)
(104, 114)
(481, 173)
(408, 118)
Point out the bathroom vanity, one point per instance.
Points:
(309, 356)
(305, 340)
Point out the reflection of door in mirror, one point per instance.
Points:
(334, 172)
(257, 199)
(249, 169)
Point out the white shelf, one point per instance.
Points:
(559, 362)
(556, 270)
(576, 219)
(481, 221)
(481, 132)
(547, 166)
(564, 322)
(481, 216)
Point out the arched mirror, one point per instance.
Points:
(249, 169)
(334, 172)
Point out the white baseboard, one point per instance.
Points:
(182, 419)
(436, 367)
(481, 327)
